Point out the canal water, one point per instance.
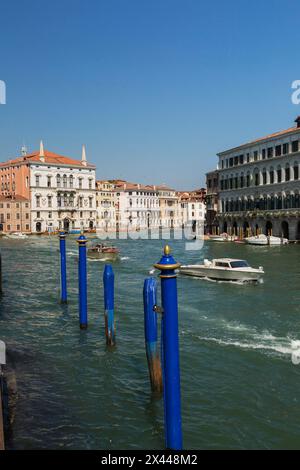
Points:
(240, 387)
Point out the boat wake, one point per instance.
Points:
(218, 281)
(261, 342)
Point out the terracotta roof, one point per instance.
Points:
(15, 198)
(50, 157)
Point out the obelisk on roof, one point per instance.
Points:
(83, 156)
(42, 153)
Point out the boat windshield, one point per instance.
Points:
(239, 264)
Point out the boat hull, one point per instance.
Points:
(103, 256)
(221, 274)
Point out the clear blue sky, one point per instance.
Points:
(154, 88)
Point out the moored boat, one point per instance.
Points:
(100, 251)
(218, 238)
(266, 240)
(225, 269)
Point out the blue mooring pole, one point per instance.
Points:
(150, 327)
(170, 348)
(108, 282)
(82, 283)
(63, 268)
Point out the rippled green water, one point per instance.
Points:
(240, 388)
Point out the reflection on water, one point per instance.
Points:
(239, 386)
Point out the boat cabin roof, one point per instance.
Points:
(227, 260)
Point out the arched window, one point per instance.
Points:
(279, 174)
(64, 181)
(287, 172)
(256, 177)
(264, 174)
(296, 171)
(271, 175)
(58, 181)
(71, 180)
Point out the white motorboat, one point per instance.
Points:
(277, 240)
(218, 238)
(17, 235)
(266, 240)
(225, 269)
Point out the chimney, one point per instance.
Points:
(297, 121)
(83, 156)
(42, 153)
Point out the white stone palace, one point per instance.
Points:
(259, 186)
(62, 192)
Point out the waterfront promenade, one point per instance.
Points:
(240, 388)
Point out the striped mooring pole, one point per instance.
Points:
(82, 283)
(170, 350)
(150, 328)
(63, 268)
(108, 282)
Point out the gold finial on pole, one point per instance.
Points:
(167, 250)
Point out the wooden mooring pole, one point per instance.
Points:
(170, 350)
(150, 327)
(82, 283)
(2, 363)
(108, 282)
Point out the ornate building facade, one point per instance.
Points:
(61, 190)
(259, 186)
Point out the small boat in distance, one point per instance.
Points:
(100, 251)
(218, 238)
(223, 269)
(265, 240)
(17, 235)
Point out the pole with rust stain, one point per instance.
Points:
(63, 268)
(82, 283)
(150, 327)
(0, 274)
(2, 363)
(108, 282)
(170, 347)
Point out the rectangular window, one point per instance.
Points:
(270, 152)
(8, 227)
(37, 181)
(295, 146)
(18, 215)
(90, 184)
(80, 183)
(49, 201)
(255, 155)
(248, 157)
(263, 154)
(241, 159)
(231, 162)
(236, 160)
(38, 215)
(285, 149)
(18, 227)
(27, 227)
(8, 216)
(49, 181)
(278, 150)
(27, 216)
